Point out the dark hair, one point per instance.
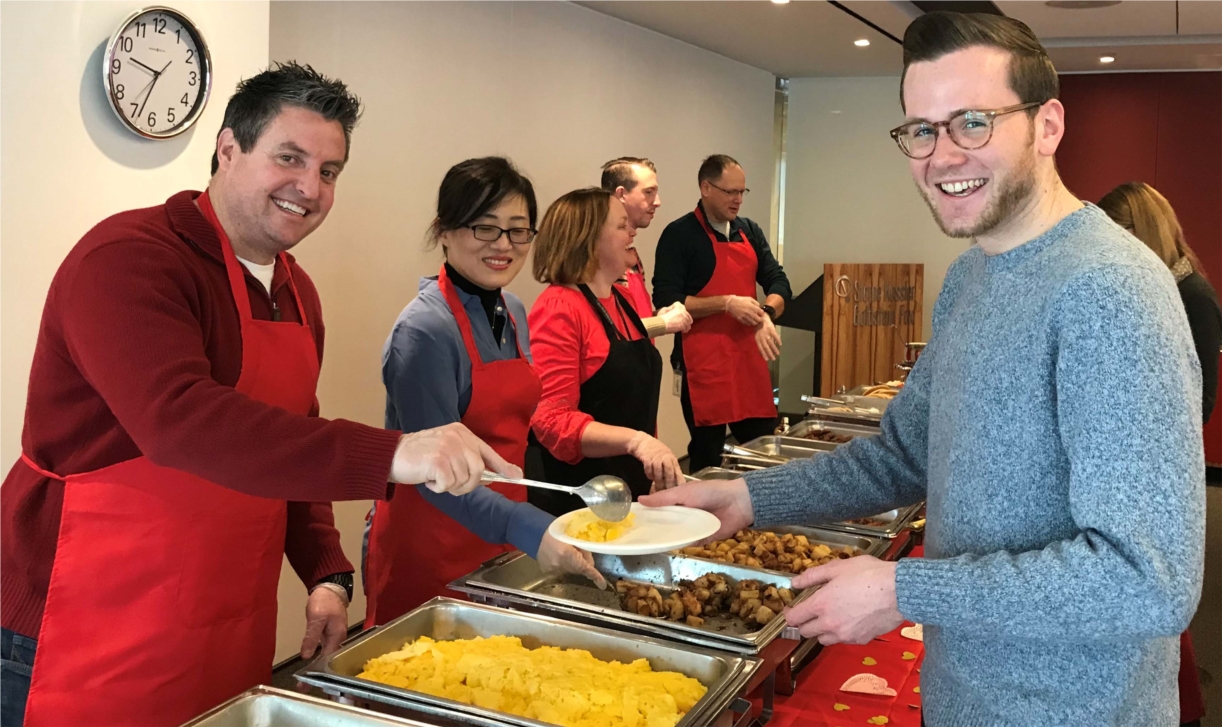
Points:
(474, 187)
(564, 251)
(618, 173)
(260, 98)
(933, 35)
(712, 167)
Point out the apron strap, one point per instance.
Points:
(464, 320)
(45, 473)
(624, 307)
(237, 272)
(709, 230)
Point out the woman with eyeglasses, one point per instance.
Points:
(1140, 209)
(601, 375)
(460, 352)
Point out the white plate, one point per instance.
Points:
(655, 530)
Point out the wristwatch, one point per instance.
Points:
(340, 579)
(770, 311)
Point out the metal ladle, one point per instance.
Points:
(608, 497)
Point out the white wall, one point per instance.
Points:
(850, 199)
(558, 88)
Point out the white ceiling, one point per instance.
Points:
(814, 38)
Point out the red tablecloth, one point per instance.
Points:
(818, 702)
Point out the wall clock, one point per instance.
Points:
(157, 72)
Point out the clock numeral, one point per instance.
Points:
(169, 115)
(190, 55)
(192, 81)
(119, 92)
(159, 25)
(141, 29)
(178, 35)
(135, 108)
(152, 119)
(125, 44)
(184, 100)
(115, 65)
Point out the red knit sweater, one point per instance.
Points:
(138, 353)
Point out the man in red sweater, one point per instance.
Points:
(172, 450)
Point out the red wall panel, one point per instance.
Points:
(1164, 129)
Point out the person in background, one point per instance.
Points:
(634, 182)
(1148, 216)
(601, 376)
(460, 352)
(172, 453)
(711, 260)
(1052, 425)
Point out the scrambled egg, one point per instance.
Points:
(585, 525)
(567, 687)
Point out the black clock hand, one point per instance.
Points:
(150, 70)
(151, 85)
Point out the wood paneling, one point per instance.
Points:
(869, 312)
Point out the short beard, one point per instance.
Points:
(1012, 196)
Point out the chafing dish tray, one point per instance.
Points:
(264, 706)
(806, 427)
(887, 524)
(867, 544)
(788, 448)
(516, 580)
(724, 674)
(717, 473)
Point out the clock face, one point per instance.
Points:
(158, 73)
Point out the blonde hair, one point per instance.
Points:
(564, 250)
(1139, 208)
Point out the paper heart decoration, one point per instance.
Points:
(880, 719)
(840, 707)
(868, 684)
(916, 633)
(908, 656)
(869, 661)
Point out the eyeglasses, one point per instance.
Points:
(732, 192)
(492, 233)
(968, 129)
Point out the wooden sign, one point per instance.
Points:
(869, 312)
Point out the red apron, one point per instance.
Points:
(162, 602)
(728, 378)
(638, 294)
(415, 550)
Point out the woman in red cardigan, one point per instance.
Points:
(601, 376)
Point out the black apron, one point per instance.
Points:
(623, 393)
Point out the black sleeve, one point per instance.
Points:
(670, 268)
(770, 275)
(1205, 320)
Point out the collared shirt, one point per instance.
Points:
(427, 374)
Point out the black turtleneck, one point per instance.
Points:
(490, 300)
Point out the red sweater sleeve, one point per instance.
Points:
(564, 357)
(131, 324)
(312, 542)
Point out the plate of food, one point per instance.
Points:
(646, 530)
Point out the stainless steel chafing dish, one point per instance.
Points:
(890, 523)
(517, 581)
(264, 706)
(841, 409)
(777, 449)
(867, 544)
(724, 674)
(716, 473)
(810, 426)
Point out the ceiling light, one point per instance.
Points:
(780, 2)
(1106, 59)
(1081, 4)
(861, 43)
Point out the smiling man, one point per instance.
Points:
(172, 452)
(1053, 424)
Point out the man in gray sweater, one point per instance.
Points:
(1053, 424)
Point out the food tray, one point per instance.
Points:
(724, 674)
(867, 544)
(844, 417)
(516, 580)
(806, 426)
(263, 706)
(775, 445)
(894, 523)
(717, 473)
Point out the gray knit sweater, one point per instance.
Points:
(1054, 426)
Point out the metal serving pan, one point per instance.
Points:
(717, 473)
(516, 580)
(867, 544)
(444, 619)
(774, 445)
(264, 706)
(891, 523)
(807, 426)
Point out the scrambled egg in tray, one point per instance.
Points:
(568, 687)
(585, 525)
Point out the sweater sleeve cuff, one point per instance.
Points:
(371, 451)
(331, 560)
(772, 501)
(526, 528)
(926, 590)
